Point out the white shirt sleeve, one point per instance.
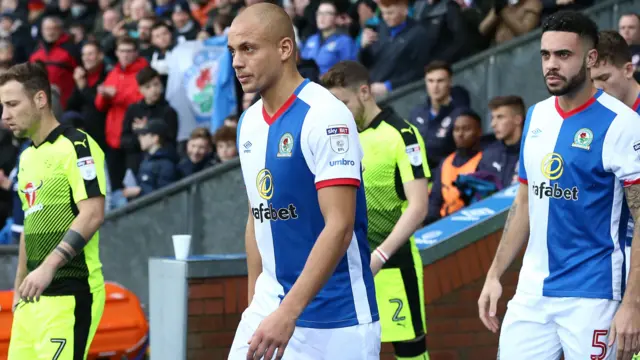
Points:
(621, 148)
(331, 146)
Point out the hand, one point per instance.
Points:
(274, 332)
(203, 35)
(488, 303)
(625, 328)
(36, 283)
(16, 301)
(119, 29)
(376, 264)
(139, 123)
(5, 182)
(368, 37)
(131, 192)
(79, 75)
(109, 91)
(379, 89)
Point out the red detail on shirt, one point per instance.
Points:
(631, 182)
(636, 105)
(337, 182)
(523, 181)
(567, 114)
(287, 104)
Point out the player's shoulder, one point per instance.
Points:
(543, 107)
(251, 113)
(80, 141)
(620, 109)
(323, 106)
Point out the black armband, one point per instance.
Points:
(75, 240)
(65, 254)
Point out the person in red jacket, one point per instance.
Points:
(114, 95)
(60, 55)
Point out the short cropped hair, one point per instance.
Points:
(613, 49)
(386, 3)
(573, 22)
(438, 65)
(513, 101)
(160, 23)
(472, 114)
(145, 75)
(346, 74)
(127, 40)
(224, 134)
(33, 77)
(202, 133)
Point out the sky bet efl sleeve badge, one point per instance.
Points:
(582, 139)
(338, 138)
(87, 168)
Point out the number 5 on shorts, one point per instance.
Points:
(599, 344)
(61, 343)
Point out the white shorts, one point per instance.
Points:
(360, 342)
(542, 328)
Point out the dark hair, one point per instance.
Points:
(158, 24)
(151, 18)
(33, 77)
(127, 40)
(472, 114)
(223, 20)
(573, 22)
(438, 65)
(512, 101)
(393, 2)
(225, 133)
(145, 75)
(93, 43)
(613, 49)
(232, 118)
(637, 16)
(202, 133)
(346, 74)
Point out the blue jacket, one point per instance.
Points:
(330, 51)
(502, 160)
(158, 170)
(187, 168)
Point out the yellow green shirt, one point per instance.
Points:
(66, 168)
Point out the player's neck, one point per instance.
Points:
(371, 110)
(46, 125)
(632, 95)
(578, 98)
(278, 94)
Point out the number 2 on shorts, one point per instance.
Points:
(396, 315)
(599, 344)
(61, 343)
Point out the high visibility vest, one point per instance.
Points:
(449, 173)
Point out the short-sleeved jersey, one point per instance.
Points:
(630, 227)
(66, 168)
(576, 165)
(310, 143)
(394, 154)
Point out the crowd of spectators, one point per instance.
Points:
(151, 80)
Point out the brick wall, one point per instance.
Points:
(452, 286)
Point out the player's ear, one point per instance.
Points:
(40, 99)
(592, 58)
(287, 49)
(628, 70)
(364, 92)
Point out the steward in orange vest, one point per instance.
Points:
(445, 198)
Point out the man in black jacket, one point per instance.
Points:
(394, 53)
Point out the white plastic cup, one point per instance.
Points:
(181, 246)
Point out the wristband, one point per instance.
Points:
(381, 255)
(75, 240)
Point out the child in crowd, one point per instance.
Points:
(445, 198)
(159, 167)
(199, 154)
(225, 140)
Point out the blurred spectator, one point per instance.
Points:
(201, 9)
(308, 68)
(501, 157)
(82, 101)
(447, 32)
(60, 55)
(225, 142)
(434, 118)
(629, 28)
(159, 167)
(329, 46)
(186, 28)
(553, 6)
(152, 106)
(8, 155)
(114, 96)
(510, 18)
(247, 100)
(162, 41)
(445, 198)
(16, 32)
(144, 36)
(231, 121)
(78, 34)
(394, 53)
(199, 153)
(17, 213)
(163, 8)
(6, 55)
(113, 27)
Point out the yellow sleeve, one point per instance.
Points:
(411, 155)
(85, 168)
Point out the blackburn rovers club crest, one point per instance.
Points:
(285, 145)
(582, 139)
(200, 79)
(30, 192)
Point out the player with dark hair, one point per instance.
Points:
(578, 161)
(59, 287)
(396, 188)
(311, 290)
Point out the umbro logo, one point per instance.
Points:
(247, 147)
(536, 132)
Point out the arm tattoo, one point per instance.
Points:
(633, 200)
(510, 216)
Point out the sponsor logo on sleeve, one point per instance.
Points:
(87, 168)
(342, 162)
(415, 157)
(636, 147)
(338, 138)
